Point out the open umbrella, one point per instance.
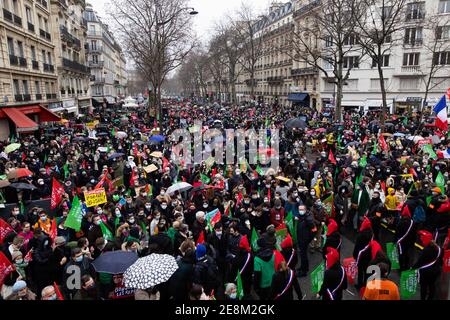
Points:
(158, 138)
(102, 134)
(79, 139)
(116, 155)
(102, 149)
(399, 134)
(12, 147)
(296, 123)
(121, 134)
(114, 262)
(23, 186)
(17, 173)
(180, 186)
(150, 271)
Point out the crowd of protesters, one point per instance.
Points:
(359, 177)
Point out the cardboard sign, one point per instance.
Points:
(425, 141)
(95, 197)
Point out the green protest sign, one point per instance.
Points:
(317, 277)
(392, 253)
(408, 283)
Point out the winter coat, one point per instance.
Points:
(181, 281)
(283, 285)
(238, 264)
(334, 283)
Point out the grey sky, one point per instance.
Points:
(209, 12)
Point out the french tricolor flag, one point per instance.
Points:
(441, 114)
(445, 154)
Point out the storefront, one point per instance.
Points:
(408, 104)
(23, 119)
(85, 106)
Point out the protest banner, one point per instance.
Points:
(95, 197)
(317, 277)
(408, 283)
(392, 253)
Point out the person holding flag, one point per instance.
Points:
(284, 283)
(441, 121)
(335, 279)
(242, 265)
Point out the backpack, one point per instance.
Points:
(419, 214)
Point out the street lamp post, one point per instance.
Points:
(192, 12)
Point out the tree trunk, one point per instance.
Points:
(383, 94)
(338, 101)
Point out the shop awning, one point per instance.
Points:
(22, 122)
(298, 97)
(47, 116)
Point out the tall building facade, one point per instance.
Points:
(106, 60)
(28, 66)
(69, 36)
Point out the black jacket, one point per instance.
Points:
(427, 256)
(247, 274)
(164, 243)
(334, 282)
(405, 232)
(304, 227)
(290, 254)
(206, 274)
(362, 241)
(281, 281)
(181, 281)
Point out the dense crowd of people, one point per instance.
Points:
(338, 184)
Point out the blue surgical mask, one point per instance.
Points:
(79, 259)
(233, 296)
(302, 213)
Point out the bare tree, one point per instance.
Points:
(326, 40)
(380, 23)
(193, 74)
(437, 49)
(244, 24)
(157, 35)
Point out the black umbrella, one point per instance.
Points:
(151, 143)
(102, 134)
(139, 142)
(296, 123)
(114, 262)
(116, 155)
(22, 186)
(79, 139)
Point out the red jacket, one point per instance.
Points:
(277, 216)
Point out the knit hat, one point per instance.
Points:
(406, 212)
(425, 237)
(244, 243)
(365, 225)
(332, 257)
(19, 285)
(200, 252)
(287, 243)
(375, 247)
(332, 227)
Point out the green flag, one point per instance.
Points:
(363, 161)
(205, 179)
(280, 235)
(440, 182)
(358, 180)
(392, 253)
(75, 216)
(66, 171)
(429, 198)
(428, 148)
(267, 122)
(240, 287)
(45, 159)
(408, 283)
(374, 151)
(339, 140)
(290, 223)
(317, 277)
(259, 170)
(113, 132)
(116, 222)
(405, 121)
(107, 234)
(324, 235)
(254, 240)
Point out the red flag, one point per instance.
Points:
(331, 158)
(57, 194)
(6, 267)
(383, 143)
(165, 163)
(133, 177)
(365, 140)
(446, 267)
(201, 238)
(155, 124)
(213, 172)
(413, 172)
(29, 256)
(239, 198)
(57, 291)
(53, 230)
(383, 186)
(269, 195)
(24, 156)
(5, 229)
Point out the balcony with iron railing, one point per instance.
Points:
(27, 97)
(30, 27)
(306, 8)
(38, 96)
(17, 20)
(63, 3)
(73, 65)
(49, 68)
(13, 60)
(18, 97)
(23, 62)
(35, 64)
(45, 35)
(7, 15)
(275, 79)
(51, 96)
(304, 71)
(95, 49)
(96, 64)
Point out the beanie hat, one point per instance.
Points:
(19, 285)
(332, 257)
(375, 247)
(244, 243)
(200, 252)
(406, 212)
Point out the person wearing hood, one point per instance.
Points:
(360, 204)
(381, 289)
(391, 203)
(289, 253)
(361, 252)
(405, 237)
(181, 281)
(335, 278)
(264, 269)
(305, 233)
(243, 263)
(333, 238)
(375, 213)
(205, 271)
(20, 291)
(378, 255)
(429, 265)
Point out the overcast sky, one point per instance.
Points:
(209, 12)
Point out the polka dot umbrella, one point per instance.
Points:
(150, 271)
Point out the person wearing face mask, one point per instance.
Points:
(277, 214)
(376, 213)
(218, 242)
(199, 225)
(305, 234)
(15, 213)
(94, 230)
(164, 209)
(49, 293)
(360, 203)
(88, 291)
(44, 223)
(79, 261)
(130, 206)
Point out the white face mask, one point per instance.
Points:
(148, 207)
(164, 206)
(131, 220)
(100, 211)
(162, 193)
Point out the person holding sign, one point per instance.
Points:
(429, 265)
(335, 279)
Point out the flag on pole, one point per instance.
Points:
(53, 230)
(107, 234)
(363, 161)
(291, 224)
(75, 216)
(440, 109)
(240, 287)
(5, 229)
(254, 240)
(205, 179)
(6, 267)
(383, 143)
(58, 292)
(66, 171)
(201, 238)
(212, 218)
(331, 158)
(374, 151)
(165, 163)
(440, 182)
(442, 154)
(57, 194)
